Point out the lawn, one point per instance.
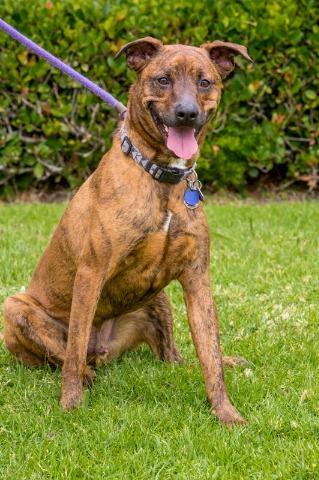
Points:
(148, 420)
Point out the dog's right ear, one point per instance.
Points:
(139, 52)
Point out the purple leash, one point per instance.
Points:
(56, 62)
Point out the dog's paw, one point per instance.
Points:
(71, 400)
(170, 355)
(102, 356)
(71, 393)
(234, 361)
(228, 414)
(177, 357)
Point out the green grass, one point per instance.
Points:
(148, 420)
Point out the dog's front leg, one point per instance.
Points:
(202, 318)
(86, 292)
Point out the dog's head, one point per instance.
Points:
(178, 88)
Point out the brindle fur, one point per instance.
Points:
(98, 289)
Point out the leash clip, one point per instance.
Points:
(195, 184)
(193, 194)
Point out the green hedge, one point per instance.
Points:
(53, 133)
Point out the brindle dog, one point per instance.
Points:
(98, 289)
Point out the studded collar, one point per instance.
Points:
(162, 174)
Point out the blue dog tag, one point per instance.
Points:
(192, 198)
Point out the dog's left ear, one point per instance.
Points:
(222, 54)
(139, 52)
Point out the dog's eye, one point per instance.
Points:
(204, 83)
(163, 81)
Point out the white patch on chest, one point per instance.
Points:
(167, 220)
(178, 163)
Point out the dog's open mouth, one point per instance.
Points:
(180, 140)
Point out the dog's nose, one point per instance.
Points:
(186, 113)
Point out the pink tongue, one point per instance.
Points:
(182, 141)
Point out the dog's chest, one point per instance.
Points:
(156, 260)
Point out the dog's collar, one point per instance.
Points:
(160, 173)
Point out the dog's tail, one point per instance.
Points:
(1, 337)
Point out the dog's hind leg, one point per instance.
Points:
(14, 343)
(117, 336)
(31, 334)
(151, 324)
